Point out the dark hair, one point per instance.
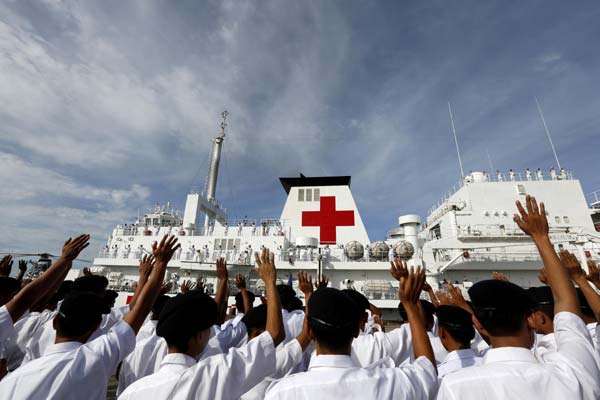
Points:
(502, 322)
(286, 295)
(462, 334)
(295, 305)
(79, 313)
(333, 318)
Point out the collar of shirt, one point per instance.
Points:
(332, 361)
(64, 347)
(177, 359)
(460, 355)
(509, 354)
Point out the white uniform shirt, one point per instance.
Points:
(45, 335)
(546, 343)
(147, 330)
(145, 360)
(292, 323)
(339, 377)
(223, 377)
(397, 344)
(7, 327)
(458, 359)
(514, 373)
(286, 358)
(71, 370)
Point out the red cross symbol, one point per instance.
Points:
(328, 219)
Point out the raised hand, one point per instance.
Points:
(87, 272)
(146, 265)
(411, 286)
(222, 269)
(166, 288)
(201, 283)
(240, 281)
(399, 269)
(163, 251)
(533, 221)
(322, 282)
(305, 284)
(593, 274)
(457, 299)
(443, 298)
(572, 265)
(499, 276)
(73, 247)
(186, 286)
(265, 266)
(542, 277)
(23, 266)
(6, 265)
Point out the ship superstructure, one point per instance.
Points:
(466, 236)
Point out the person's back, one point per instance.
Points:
(338, 376)
(71, 370)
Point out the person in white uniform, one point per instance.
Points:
(543, 318)
(292, 320)
(187, 331)
(74, 369)
(333, 320)
(149, 350)
(504, 312)
(455, 330)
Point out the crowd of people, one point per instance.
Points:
(65, 340)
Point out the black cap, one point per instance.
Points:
(111, 294)
(331, 308)
(185, 315)
(542, 294)
(90, 283)
(286, 294)
(159, 304)
(361, 301)
(454, 317)
(82, 308)
(256, 318)
(495, 295)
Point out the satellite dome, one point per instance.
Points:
(404, 250)
(354, 250)
(379, 251)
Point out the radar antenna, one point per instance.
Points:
(462, 172)
(547, 131)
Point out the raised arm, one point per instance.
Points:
(434, 300)
(534, 223)
(578, 275)
(22, 270)
(410, 291)
(146, 265)
(162, 254)
(593, 273)
(240, 283)
(222, 289)
(6, 265)
(305, 285)
(265, 267)
(49, 280)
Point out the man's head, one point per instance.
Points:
(8, 288)
(158, 305)
(185, 322)
(60, 294)
(362, 304)
(239, 300)
(79, 316)
(333, 320)
(544, 314)
(295, 305)
(503, 309)
(256, 321)
(90, 283)
(455, 327)
(428, 311)
(286, 295)
(111, 297)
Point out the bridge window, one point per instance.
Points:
(316, 194)
(566, 219)
(308, 194)
(557, 219)
(300, 194)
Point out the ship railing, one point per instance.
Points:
(504, 177)
(593, 199)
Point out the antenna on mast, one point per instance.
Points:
(547, 131)
(462, 172)
(224, 115)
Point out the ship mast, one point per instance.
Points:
(213, 169)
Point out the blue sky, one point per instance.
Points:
(107, 107)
